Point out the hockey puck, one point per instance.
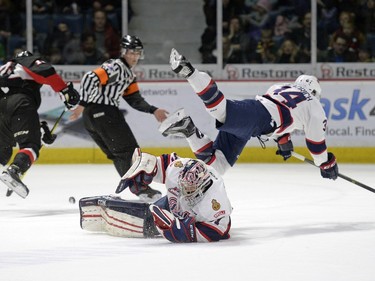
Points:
(72, 200)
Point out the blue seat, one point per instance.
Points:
(112, 18)
(42, 23)
(371, 43)
(14, 42)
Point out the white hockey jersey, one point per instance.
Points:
(211, 213)
(292, 109)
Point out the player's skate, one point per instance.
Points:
(180, 64)
(149, 195)
(177, 124)
(11, 177)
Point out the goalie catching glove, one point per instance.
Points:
(71, 96)
(172, 228)
(285, 146)
(141, 173)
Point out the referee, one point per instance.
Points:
(101, 90)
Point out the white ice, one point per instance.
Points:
(288, 224)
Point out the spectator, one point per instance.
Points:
(327, 22)
(290, 53)
(367, 15)
(364, 55)
(68, 7)
(42, 6)
(260, 14)
(266, 49)
(108, 6)
(58, 39)
(345, 17)
(208, 46)
(355, 37)
(281, 26)
(208, 37)
(238, 40)
(83, 51)
(113, 11)
(231, 8)
(56, 57)
(107, 38)
(302, 35)
(230, 55)
(339, 52)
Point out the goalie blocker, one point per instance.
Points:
(117, 217)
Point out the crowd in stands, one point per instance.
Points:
(83, 32)
(279, 31)
(87, 32)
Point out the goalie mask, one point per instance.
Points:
(132, 44)
(193, 181)
(310, 84)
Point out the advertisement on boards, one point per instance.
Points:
(349, 106)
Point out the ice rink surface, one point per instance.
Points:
(288, 224)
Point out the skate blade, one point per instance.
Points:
(176, 116)
(17, 187)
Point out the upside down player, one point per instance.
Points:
(195, 209)
(283, 109)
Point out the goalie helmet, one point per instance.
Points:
(193, 181)
(310, 84)
(129, 42)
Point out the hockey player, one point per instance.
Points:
(20, 81)
(101, 90)
(283, 109)
(195, 209)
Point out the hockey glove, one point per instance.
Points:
(285, 146)
(173, 229)
(141, 173)
(47, 137)
(330, 169)
(71, 96)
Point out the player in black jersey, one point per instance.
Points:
(20, 81)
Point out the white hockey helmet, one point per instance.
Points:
(193, 181)
(310, 84)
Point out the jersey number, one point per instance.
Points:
(291, 98)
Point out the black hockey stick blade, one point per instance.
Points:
(304, 159)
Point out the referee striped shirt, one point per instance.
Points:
(106, 84)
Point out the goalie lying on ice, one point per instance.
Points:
(195, 209)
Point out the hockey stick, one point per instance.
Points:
(304, 159)
(10, 191)
(58, 120)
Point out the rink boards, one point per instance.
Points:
(349, 106)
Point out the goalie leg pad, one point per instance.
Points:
(116, 216)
